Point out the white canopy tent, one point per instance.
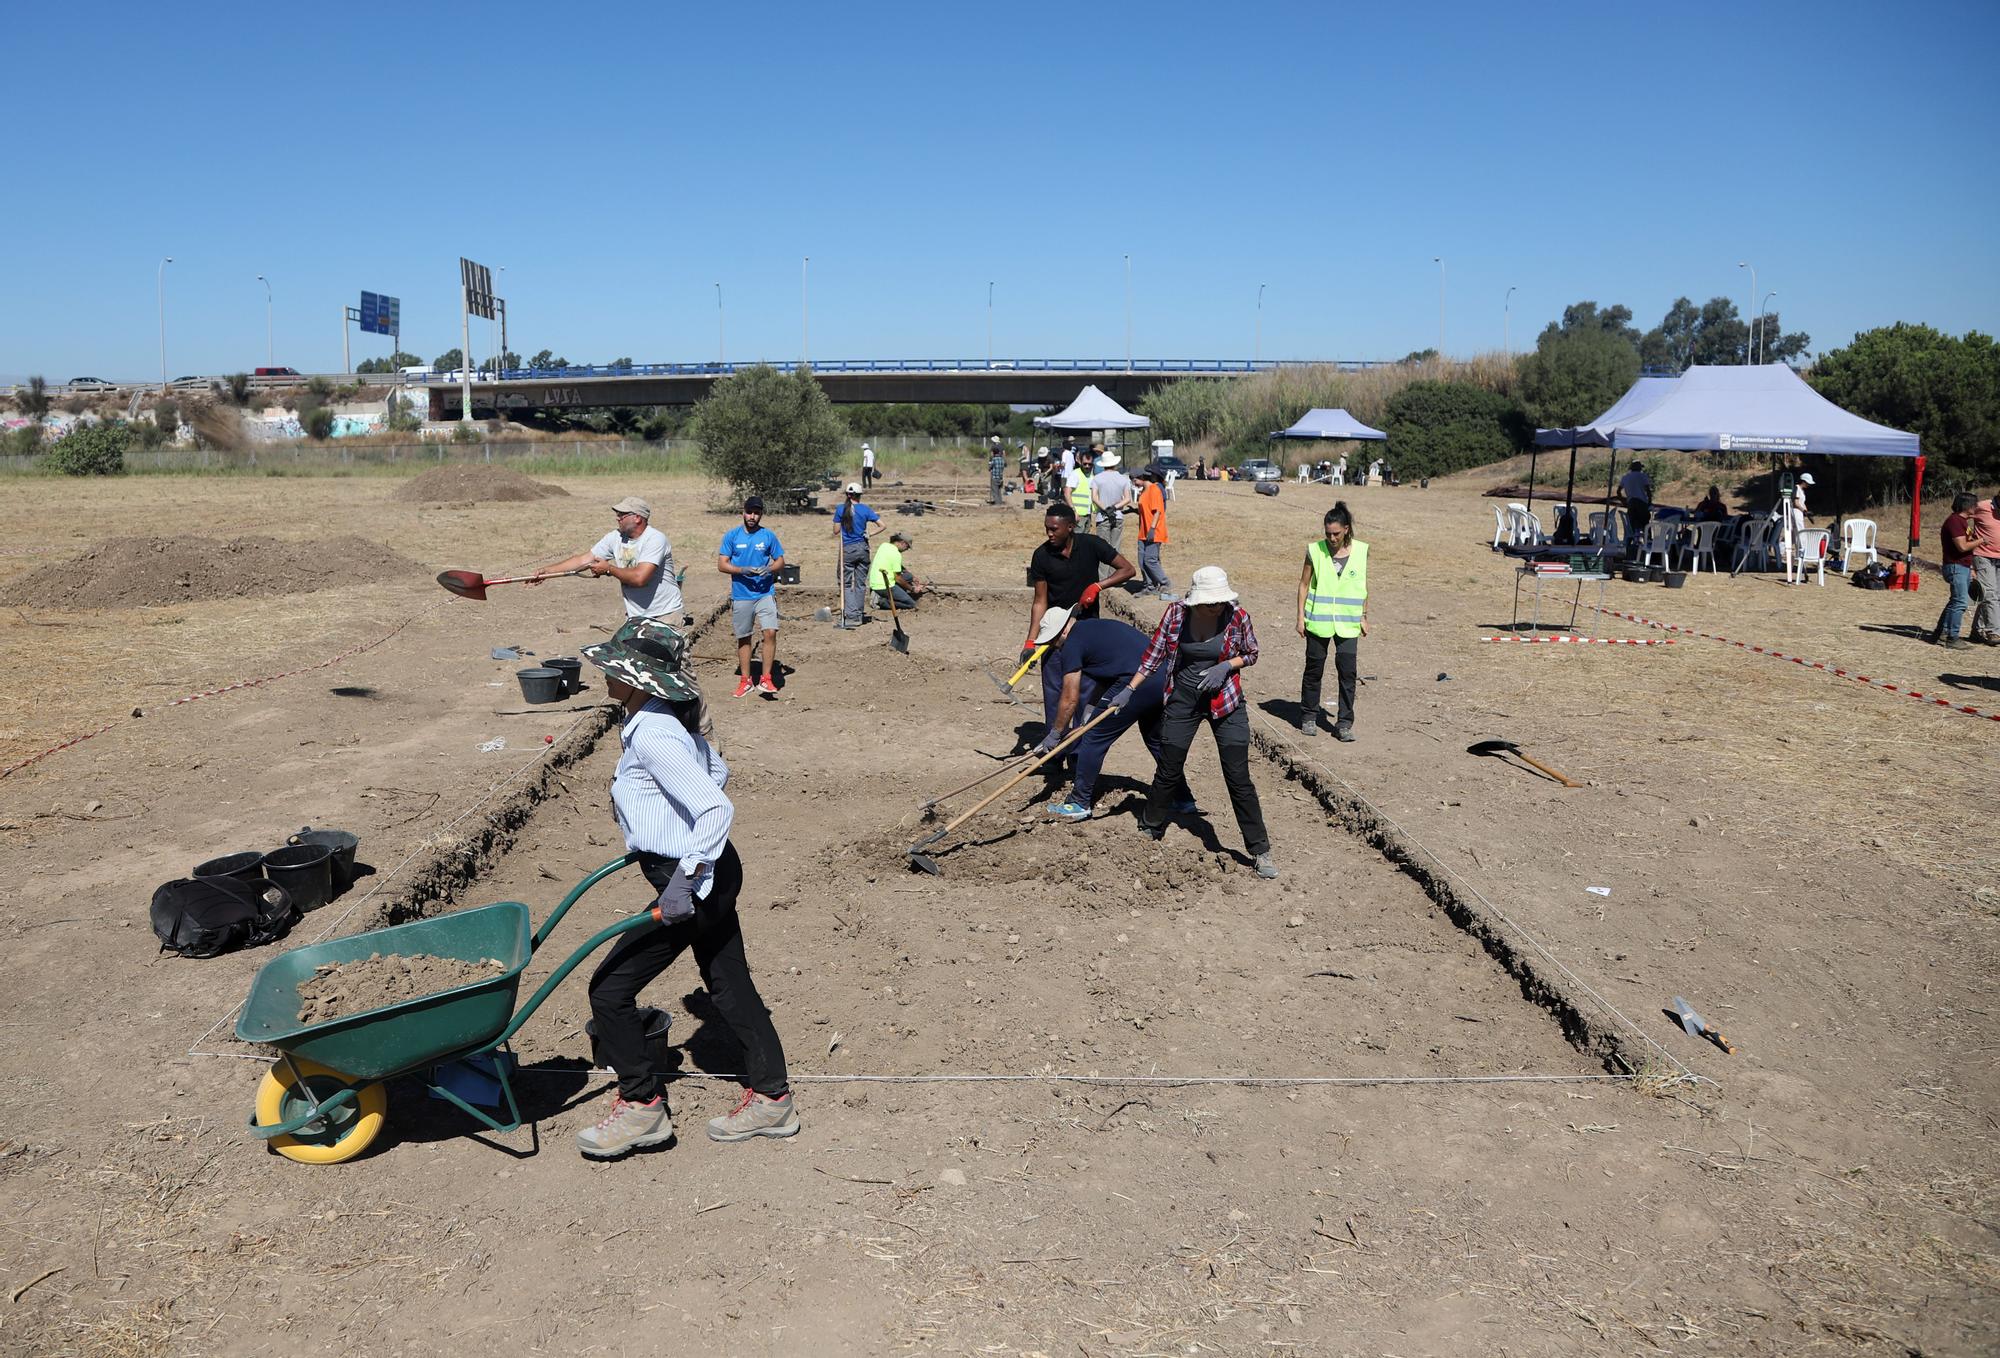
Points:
(1092, 409)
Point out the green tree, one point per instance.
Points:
(450, 361)
(546, 359)
(1416, 356)
(1438, 427)
(1714, 333)
(626, 362)
(1615, 321)
(763, 431)
(393, 363)
(508, 361)
(1944, 390)
(1577, 371)
(96, 449)
(401, 416)
(34, 402)
(167, 416)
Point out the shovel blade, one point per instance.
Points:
(899, 640)
(1689, 1019)
(1492, 747)
(465, 584)
(925, 862)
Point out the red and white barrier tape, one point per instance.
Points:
(1930, 700)
(1588, 641)
(212, 692)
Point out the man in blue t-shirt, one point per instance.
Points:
(854, 522)
(1099, 656)
(751, 556)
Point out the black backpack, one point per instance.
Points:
(208, 916)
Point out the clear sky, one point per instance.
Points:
(619, 167)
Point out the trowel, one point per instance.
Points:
(1696, 1027)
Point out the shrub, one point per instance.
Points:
(318, 422)
(1439, 427)
(90, 450)
(34, 399)
(465, 433)
(239, 388)
(763, 431)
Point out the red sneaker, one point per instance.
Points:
(765, 685)
(742, 687)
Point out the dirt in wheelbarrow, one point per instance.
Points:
(337, 989)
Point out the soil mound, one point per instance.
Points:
(337, 988)
(134, 572)
(473, 482)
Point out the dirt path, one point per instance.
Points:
(1788, 851)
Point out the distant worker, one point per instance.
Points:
(1202, 645)
(1111, 496)
(1153, 532)
(636, 555)
(1333, 611)
(886, 574)
(1099, 657)
(1795, 521)
(1064, 571)
(996, 468)
(854, 522)
(1636, 489)
(1076, 493)
(751, 556)
(867, 467)
(1068, 456)
(1712, 509)
(1375, 472)
(1957, 542)
(1986, 567)
(1340, 470)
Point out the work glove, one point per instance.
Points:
(676, 900)
(1119, 697)
(1089, 596)
(1049, 742)
(1027, 650)
(1215, 676)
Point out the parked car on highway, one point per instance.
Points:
(190, 383)
(1259, 469)
(89, 384)
(278, 372)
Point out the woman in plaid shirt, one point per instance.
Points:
(1204, 643)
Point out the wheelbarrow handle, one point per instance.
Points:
(644, 919)
(576, 892)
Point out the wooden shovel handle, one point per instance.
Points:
(1530, 759)
(1001, 791)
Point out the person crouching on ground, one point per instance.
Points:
(1203, 644)
(1333, 610)
(887, 578)
(668, 798)
(751, 557)
(1099, 658)
(636, 555)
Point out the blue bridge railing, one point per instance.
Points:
(923, 365)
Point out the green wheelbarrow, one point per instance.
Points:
(323, 1100)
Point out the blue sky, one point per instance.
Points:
(619, 167)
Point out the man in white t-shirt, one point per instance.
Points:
(867, 467)
(639, 557)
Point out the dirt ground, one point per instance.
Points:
(1809, 861)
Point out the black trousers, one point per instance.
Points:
(1186, 712)
(1637, 516)
(640, 956)
(1346, 668)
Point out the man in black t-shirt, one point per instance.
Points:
(1064, 572)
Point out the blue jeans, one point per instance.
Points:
(1959, 578)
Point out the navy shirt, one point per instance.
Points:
(1104, 649)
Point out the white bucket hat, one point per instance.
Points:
(1053, 622)
(1210, 585)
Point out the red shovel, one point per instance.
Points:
(473, 585)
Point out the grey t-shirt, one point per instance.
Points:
(660, 597)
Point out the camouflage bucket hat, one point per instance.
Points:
(647, 654)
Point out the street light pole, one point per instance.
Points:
(719, 360)
(1439, 261)
(1507, 324)
(1746, 264)
(1257, 351)
(989, 323)
(1128, 313)
(270, 353)
(1763, 330)
(161, 282)
(805, 311)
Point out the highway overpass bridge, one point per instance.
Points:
(1051, 382)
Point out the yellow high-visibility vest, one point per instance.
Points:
(1335, 599)
(1079, 500)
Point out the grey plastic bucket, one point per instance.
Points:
(305, 871)
(572, 673)
(343, 846)
(540, 684)
(247, 866)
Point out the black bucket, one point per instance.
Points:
(343, 846)
(788, 575)
(305, 871)
(1635, 575)
(249, 867)
(1655, 574)
(1676, 579)
(572, 673)
(540, 684)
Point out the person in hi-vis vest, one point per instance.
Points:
(1333, 608)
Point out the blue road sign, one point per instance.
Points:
(380, 314)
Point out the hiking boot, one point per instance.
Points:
(627, 1127)
(1183, 806)
(1309, 725)
(1344, 734)
(756, 1115)
(1069, 810)
(766, 687)
(1987, 639)
(1267, 866)
(1156, 833)
(742, 687)
(1957, 644)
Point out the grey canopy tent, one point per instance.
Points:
(1322, 423)
(1640, 397)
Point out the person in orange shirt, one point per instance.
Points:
(1153, 533)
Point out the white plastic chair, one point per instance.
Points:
(1305, 472)
(1499, 526)
(1812, 554)
(1659, 542)
(1857, 536)
(1700, 547)
(1753, 543)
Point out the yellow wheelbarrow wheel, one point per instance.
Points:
(350, 1128)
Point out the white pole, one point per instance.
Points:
(160, 280)
(1128, 313)
(805, 310)
(1745, 264)
(346, 363)
(719, 360)
(1763, 330)
(1257, 353)
(1507, 324)
(989, 323)
(269, 352)
(1439, 261)
(465, 354)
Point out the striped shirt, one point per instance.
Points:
(1238, 638)
(668, 793)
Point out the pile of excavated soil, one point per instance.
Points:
(473, 482)
(337, 988)
(133, 572)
